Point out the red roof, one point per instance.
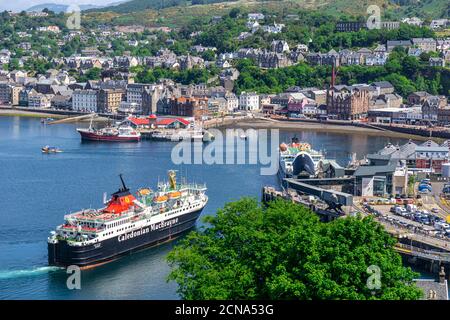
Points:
(168, 121)
(139, 121)
(160, 121)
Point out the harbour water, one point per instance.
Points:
(38, 189)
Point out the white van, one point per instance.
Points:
(400, 211)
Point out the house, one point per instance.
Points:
(60, 101)
(417, 98)
(125, 62)
(426, 44)
(232, 102)
(249, 101)
(390, 100)
(273, 60)
(430, 107)
(275, 28)
(414, 52)
(437, 62)
(439, 23)
(39, 100)
(330, 58)
(188, 62)
(391, 44)
(414, 21)
(383, 87)
(255, 16)
(279, 46)
(217, 105)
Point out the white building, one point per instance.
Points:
(232, 102)
(439, 23)
(414, 21)
(135, 92)
(39, 100)
(256, 16)
(84, 100)
(249, 101)
(130, 108)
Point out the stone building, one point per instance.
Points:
(188, 107)
(348, 102)
(108, 100)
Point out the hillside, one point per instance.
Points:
(179, 12)
(139, 5)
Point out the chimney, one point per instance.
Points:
(442, 275)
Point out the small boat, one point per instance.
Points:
(47, 120)
(243, 136)
(48, 149)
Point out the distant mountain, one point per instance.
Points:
(57, 8)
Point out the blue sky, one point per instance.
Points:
(18, 5)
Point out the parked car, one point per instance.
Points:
(400, 211)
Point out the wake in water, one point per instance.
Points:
(13, 274)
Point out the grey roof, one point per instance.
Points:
(399, 42)
(433, 290)
(431, 149)
(429, 143)
(374, 170)
(376, 156)
(382, 84)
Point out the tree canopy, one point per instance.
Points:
(283, 251)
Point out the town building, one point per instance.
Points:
(249, 101)
(426, 44)
(348, 102)
(391, 44)
(108, 100)
(188, 107)
(39, 100)
(84, 100)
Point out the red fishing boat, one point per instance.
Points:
(113, 134)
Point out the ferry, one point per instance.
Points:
(127, 223)
(298, 158)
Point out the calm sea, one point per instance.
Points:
(36, 190)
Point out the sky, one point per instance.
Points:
(19, 5)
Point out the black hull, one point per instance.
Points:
(63, 255)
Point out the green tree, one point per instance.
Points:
(283, 251)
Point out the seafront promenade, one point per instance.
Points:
(257, 121)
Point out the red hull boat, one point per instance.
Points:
(121, 134)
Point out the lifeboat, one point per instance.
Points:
(175, 195)
(144, 192)
(161, 199)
